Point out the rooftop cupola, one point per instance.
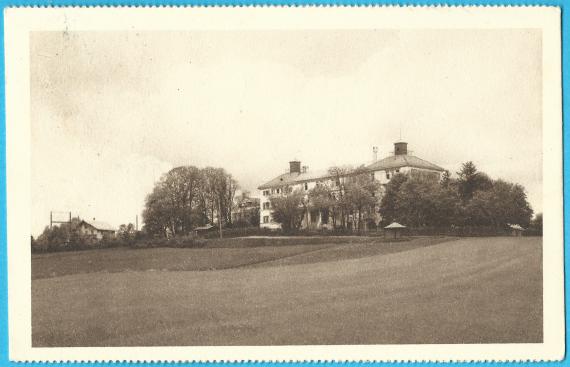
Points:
(295, 167)
(400, 148)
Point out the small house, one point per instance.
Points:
(96, 229)
(394, 230)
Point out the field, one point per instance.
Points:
(427, 290)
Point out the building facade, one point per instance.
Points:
(96, 229)
(300, 178)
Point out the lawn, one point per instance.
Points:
(471, 290)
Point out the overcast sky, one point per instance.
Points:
(112, 111)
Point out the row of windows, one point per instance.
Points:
(272, 191)
(319, 183)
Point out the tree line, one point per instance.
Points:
(187, 197)
(471, 199)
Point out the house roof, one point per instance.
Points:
(101, 226)
(403, 160)
(392, 162)
(394, 225)
(204, 228)
(516, 226)
(294, 177)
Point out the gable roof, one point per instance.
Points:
(392, 162)
(295, 178)
(403, 160)
(101, 226)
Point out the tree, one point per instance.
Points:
(390, 203)
(288, 210)
(360, 195)
(498, 206)
(445, 179)
(339, 176)
(65, 235)
(126, 232)
(188, 196)
(421, 201)
(536, 223)
(470, 181)
(321, 199)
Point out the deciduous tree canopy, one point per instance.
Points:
(187, 197)
(473, 199)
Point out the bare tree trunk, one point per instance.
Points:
(220, 219)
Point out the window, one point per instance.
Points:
(265, 192)
(388, 175)
(266, 219)
(272, 191)
(397, 170)
(266, 205)
(278, 191)
(372, 175)
(306, 186)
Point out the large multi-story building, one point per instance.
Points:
(301, 178)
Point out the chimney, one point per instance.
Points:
(295, 167)
(305, 169)
(400, 148)
(374, 154)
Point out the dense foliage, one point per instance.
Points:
(187, 197)
(472, 199)
(289, 210)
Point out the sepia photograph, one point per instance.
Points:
(291, 186)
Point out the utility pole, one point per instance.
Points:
(137, 223)
(58, 217)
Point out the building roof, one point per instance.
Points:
(295, 178)
(204, 228)
(403, 160)
(516, 226)
(101, 226)
(394, 225)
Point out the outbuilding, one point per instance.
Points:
(516, 230)
(394, 230)
(203, 229)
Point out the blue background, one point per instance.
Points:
(564, 5)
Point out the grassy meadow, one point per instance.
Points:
(349, 291)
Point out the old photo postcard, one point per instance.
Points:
(284, 184)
